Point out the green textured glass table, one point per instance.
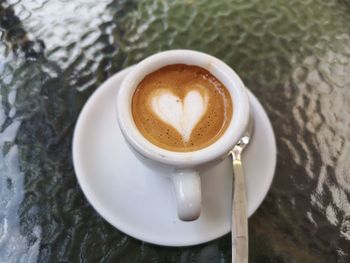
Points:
(295, 57)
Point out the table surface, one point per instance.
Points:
(294, 55)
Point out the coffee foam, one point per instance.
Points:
(181, 108)
(183, 115)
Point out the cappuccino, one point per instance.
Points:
(181, 108)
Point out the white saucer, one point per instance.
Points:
(141, 203)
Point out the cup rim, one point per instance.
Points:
(221, 147)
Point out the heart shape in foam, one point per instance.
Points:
(184, 114)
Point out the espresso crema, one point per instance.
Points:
(181, 108)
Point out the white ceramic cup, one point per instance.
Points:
(185, 165)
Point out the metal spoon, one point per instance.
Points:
(239, 232)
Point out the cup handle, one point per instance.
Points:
(187, 185)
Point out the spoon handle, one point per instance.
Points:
(239, 214)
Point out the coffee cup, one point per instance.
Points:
(186, 166)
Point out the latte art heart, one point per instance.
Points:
(181, 108)
(183, 115)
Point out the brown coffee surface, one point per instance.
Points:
(180, 80)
